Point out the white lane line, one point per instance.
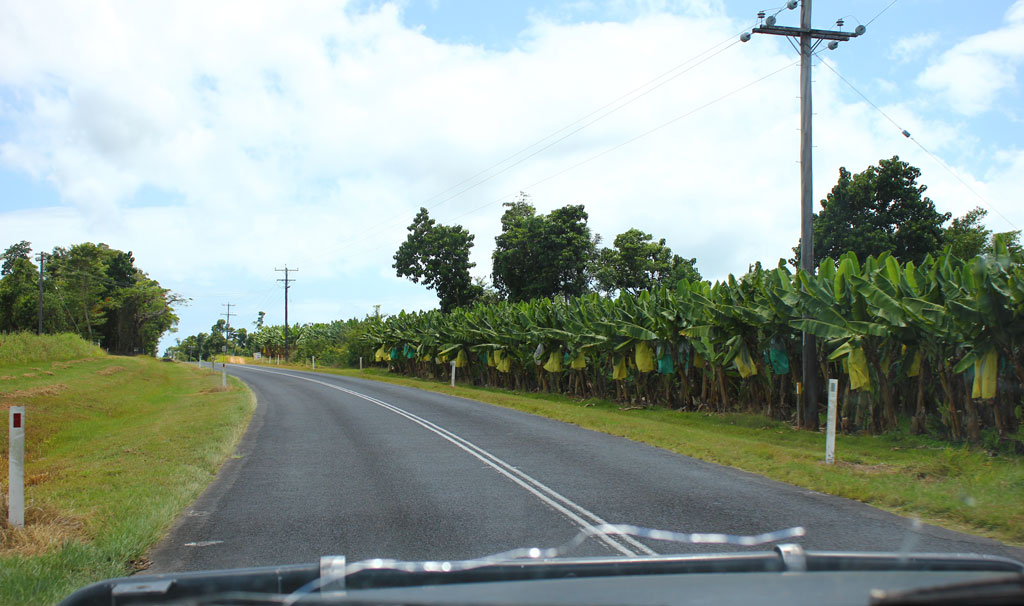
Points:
(546, 494)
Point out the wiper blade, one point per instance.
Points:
(335, 573)
(986, 592)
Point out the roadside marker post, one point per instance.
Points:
(223, 375)
(360, 363)
(453, 373)
(830, 427)
(314, 362)
(16, 468)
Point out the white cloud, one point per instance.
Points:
(312, 137)
(913, 47)
(974, 72)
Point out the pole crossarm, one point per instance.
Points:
(796, 32)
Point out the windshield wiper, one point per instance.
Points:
(290, 584)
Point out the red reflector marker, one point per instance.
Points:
(17, 420)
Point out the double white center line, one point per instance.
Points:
(585, 519)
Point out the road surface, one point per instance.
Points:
(340, 466)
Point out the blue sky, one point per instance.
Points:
(219, 142)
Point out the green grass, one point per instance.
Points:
(115, 447)
(24, 347)
(955, 487)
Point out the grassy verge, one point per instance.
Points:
(116, 448)
(958, 488)
(25, 347)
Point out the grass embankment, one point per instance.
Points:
(115, 447)
(951, 486)
(22, 348)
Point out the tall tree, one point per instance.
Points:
(542, 256)
(20, 250)
(19, 292)
(81, 278)
(882, 209)
(638, 263)
(438, 255)
(966, 235)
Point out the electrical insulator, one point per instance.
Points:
(860, 30)
(791, 4)
(745, 37)
(770, 21)
(839, 23)
(833, 45)
(760, 14)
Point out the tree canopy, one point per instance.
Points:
(638, 263)
(968, 237)
(882, 209)
(542, 256)
(14, 252)
(438, 255)
(89, 289)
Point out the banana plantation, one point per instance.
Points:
(936, 348)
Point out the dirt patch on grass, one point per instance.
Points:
(32, 392)
(209, 390)
(7, 378)
(29, 374)
(110, 370)
(45, 529)
(69, 363)
(868, 469)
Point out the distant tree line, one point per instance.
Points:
(338, 343)
(88, 289)
(536, 256)
(556, 256)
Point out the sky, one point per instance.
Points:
(222, 141)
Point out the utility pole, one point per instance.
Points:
(286, 281)
(809, 40)
(42, 261)
(227, 327)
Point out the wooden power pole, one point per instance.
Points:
(809, 40)
(286, 281)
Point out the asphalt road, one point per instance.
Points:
(339, 466)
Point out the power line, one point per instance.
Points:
(637, 137)
(907, 134)
(64, 305)
(614, 105)
(880, 13)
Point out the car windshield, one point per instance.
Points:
(433, 280)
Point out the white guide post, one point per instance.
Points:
(360, 363)
(314, 362)
(830, 427)
(16, 468)
(223, 375)
(453, 373)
